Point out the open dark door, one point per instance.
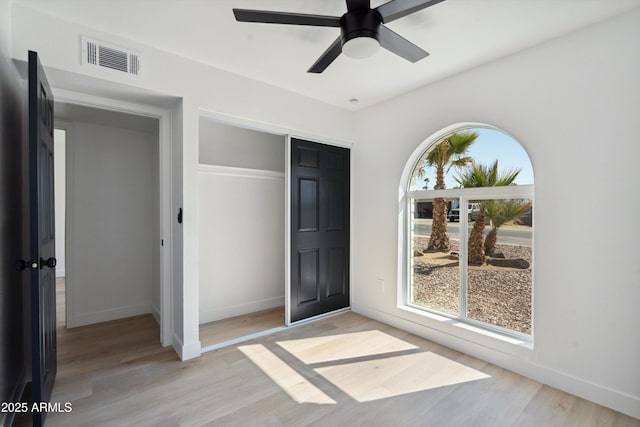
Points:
(41, 237)
(319, 229)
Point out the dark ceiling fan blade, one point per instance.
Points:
(327, 57)
(398, 8)
(358, 5)
(268, 17)
(399, 45)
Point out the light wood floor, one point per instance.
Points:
(234, 327)
(345, 370)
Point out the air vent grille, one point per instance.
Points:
(134, 64)
(106, 56)
(92, 53)
(111, 58)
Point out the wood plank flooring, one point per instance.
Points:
(346, 370)
(234, 327)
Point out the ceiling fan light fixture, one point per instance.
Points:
(360, 47)
(362, 29)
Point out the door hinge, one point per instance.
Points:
(23, 265)
(34, 264)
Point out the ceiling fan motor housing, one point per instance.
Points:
(360, 23)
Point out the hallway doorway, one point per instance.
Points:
(108, 214)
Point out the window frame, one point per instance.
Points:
(464, 195)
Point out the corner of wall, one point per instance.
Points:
(186, 352)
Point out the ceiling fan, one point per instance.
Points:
(361, 28)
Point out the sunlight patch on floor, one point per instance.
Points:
(294, 384)
(397, 375)
(366, 366)
(344, 346)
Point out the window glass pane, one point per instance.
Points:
(435, 274)
(499, 258)
(496, 289)
(440, 164)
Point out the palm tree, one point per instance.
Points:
(446, 153)
(479, 175)
(500, 212)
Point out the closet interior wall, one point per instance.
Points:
(241, 220)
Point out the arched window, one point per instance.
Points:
(468, 221)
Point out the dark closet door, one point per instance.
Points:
(42, 236)
(319, 229)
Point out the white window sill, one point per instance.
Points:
(524, 342)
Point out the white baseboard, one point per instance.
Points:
(176, 342)
(212, 315)
(613, 399)
(186, 352)
(155, 311)
(82, 319)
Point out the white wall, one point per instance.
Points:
(112, 233)
(225, 145)
(5, 27)
(178, 306)
(200, 88)
(242, 219)
(241, 242)
(574, 103)
(59, 149)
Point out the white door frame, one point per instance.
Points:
(165, 173)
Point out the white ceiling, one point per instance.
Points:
(459, 34)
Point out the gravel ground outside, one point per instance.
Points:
(496, 295)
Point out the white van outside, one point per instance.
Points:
(472, 208)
